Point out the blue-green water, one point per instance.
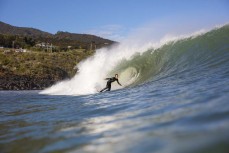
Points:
(178, 104)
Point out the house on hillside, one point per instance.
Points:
(7, 51)
(45, 46)
(20, 50)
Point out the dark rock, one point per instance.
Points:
(16, 82)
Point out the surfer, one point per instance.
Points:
(110, 80)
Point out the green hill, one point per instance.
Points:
(22, 31)
(60, 39)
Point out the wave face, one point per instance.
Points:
(190, 55)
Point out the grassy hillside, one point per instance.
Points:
(46, 68)
(41, 64)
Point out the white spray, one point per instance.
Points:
(92, 71)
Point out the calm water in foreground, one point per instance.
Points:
(157, 117)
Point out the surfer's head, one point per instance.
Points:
(116, 76)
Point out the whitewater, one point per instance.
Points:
(174, 99)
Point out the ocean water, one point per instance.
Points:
(175, 100)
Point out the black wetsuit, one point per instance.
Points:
(110, 80)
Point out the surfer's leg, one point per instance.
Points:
(106, 88)
(109, 88)
(103, 89)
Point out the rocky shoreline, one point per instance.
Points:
(17, 82)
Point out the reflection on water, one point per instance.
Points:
(118, 121)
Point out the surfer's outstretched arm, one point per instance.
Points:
(119, 83)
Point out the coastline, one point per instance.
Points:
(38, 70)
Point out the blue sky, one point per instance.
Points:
(112, 19)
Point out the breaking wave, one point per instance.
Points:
(137, 64)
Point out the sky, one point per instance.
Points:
(112, 19)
